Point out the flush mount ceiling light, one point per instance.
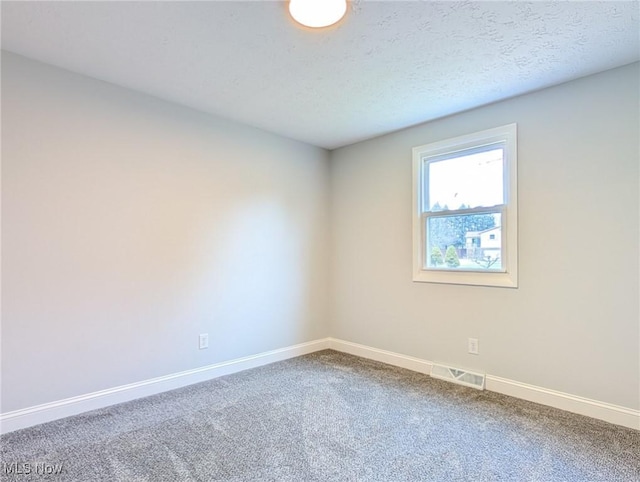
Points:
(317, 13)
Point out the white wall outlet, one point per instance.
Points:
(473, 346)
(204, 341)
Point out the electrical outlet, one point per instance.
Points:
(204, 341)
(473, 346)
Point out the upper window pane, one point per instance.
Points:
(470, 180)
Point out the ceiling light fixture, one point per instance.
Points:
(317, 13)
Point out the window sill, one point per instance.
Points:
(498, 279)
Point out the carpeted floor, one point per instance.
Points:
(326, 417)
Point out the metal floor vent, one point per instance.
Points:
(456, 375)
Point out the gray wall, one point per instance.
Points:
(131, 225)
(573, 324)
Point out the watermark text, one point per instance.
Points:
(28, 468)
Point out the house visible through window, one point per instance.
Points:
(465, 209)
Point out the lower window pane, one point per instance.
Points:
(466, 242)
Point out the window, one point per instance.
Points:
(465, 209)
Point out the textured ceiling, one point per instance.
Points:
(386, 66)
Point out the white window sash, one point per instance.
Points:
(504, 137)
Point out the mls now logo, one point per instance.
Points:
(39, 468)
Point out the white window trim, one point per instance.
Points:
(507, 278)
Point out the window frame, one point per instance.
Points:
(508, 276)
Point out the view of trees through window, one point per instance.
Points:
(457, 238)
(471, 241)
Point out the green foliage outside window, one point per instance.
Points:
(436, 256)
(451, 257)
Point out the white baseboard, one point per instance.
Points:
(48, 412)
(591, 408)
(389, 357)
(608, 412)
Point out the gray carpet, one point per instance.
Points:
(326, 417)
